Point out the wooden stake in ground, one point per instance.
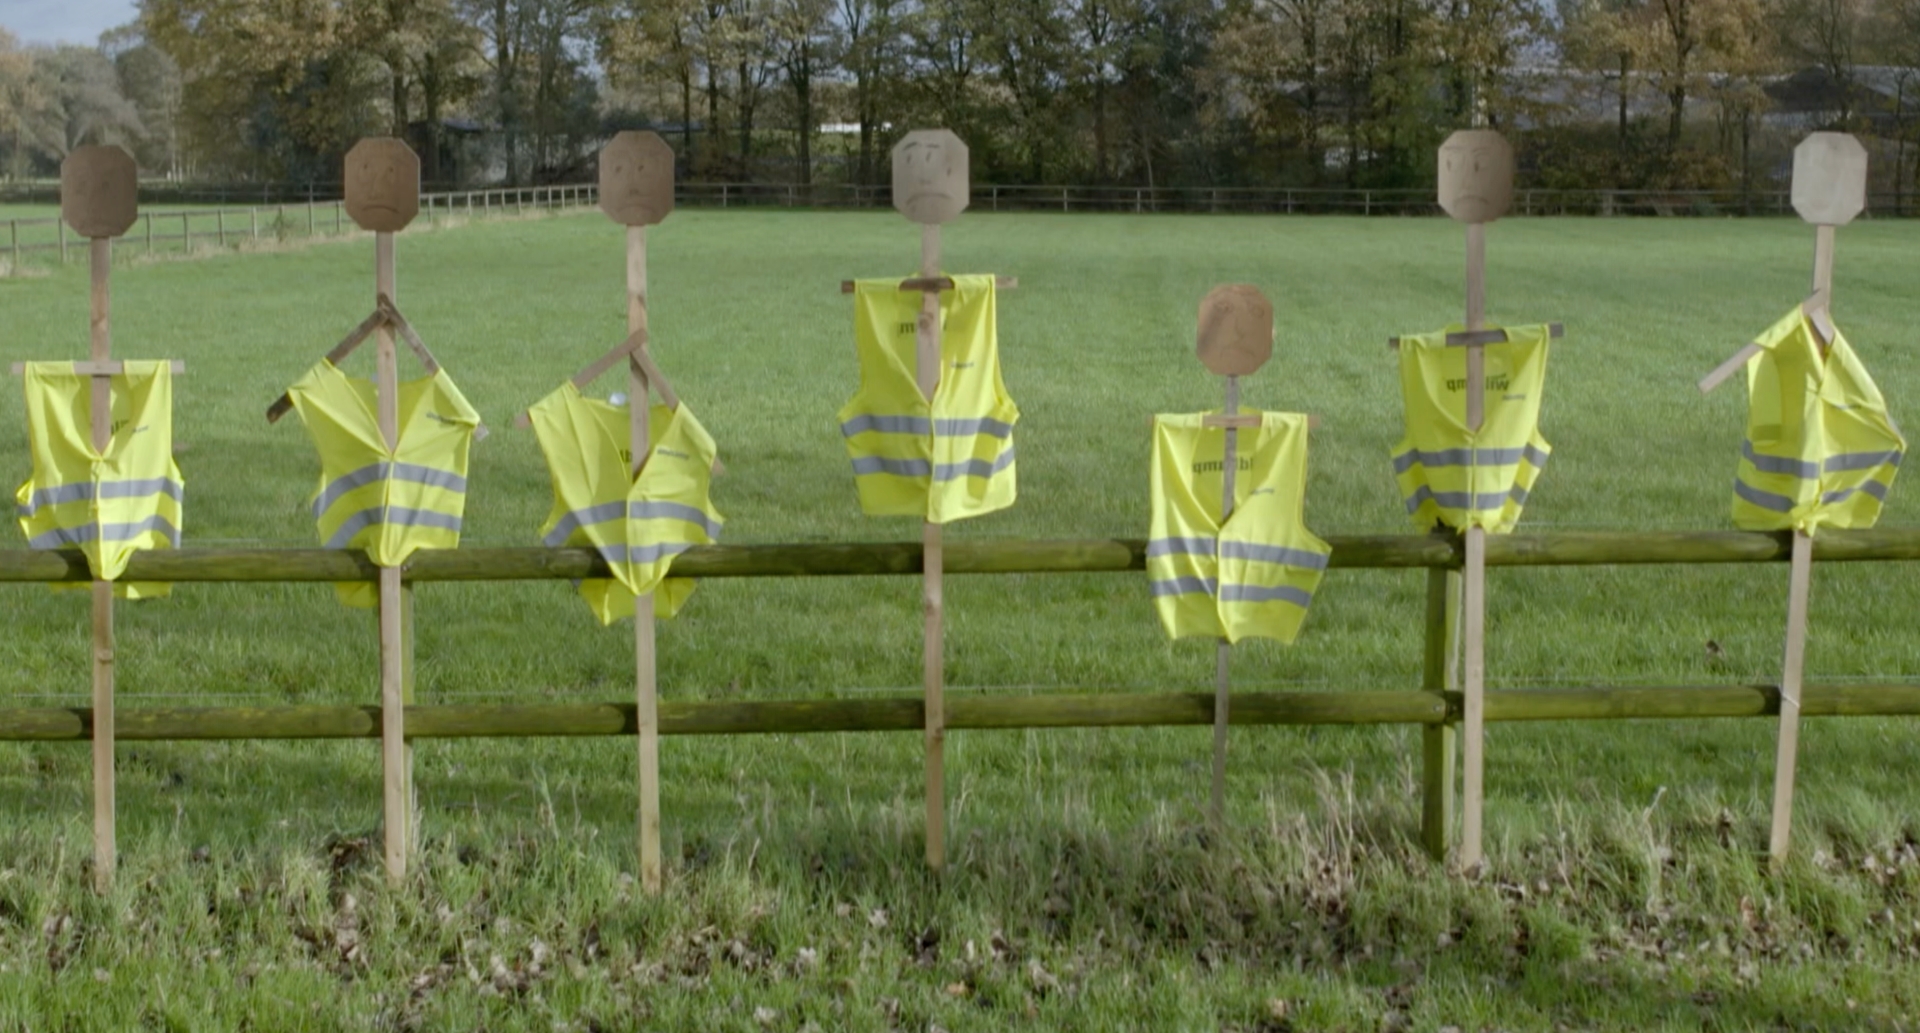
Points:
(1476, 187)
(383, 195)
(1234, 338)
(932, 185)
(1829, 189)
(636, 190)
(99, 199)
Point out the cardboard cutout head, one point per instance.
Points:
(1236, 330)
(1829, 178)
(930, 178)
(1476, 175)
(383, 184)
(99, 191)
(636, 179)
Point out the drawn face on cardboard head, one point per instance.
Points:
(383, 184)
(99, 190)
(636, 179)
(930, 179)
(1829, 178)
(1476, 175)
(1236, 330)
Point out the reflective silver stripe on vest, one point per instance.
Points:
(1763, 499)
(1273, 554)
(1264, 594)
(1458, 499)
(886, 425)
(1187, 546)
(414, 472)
(574, 520)
(1779, 464)
(399, 516)
(108, 532)
(610, 511)
(1230, 593)
(920, 425)
(922, 468)
(81, 491)
(1468, 457)
(1847, 461)
(1182, 586)
(973, 467)
(1873, 488)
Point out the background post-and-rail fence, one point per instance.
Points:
(215, 217)
(1427, 707)
(167, 230)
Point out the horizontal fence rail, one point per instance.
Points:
(181, 230)
(288, 212)
(907, 714)
(1099, 555)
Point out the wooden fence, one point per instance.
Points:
(184, 229)
(1434, 705)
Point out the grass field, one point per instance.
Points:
(1624, 889)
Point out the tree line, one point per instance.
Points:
(1355, 93)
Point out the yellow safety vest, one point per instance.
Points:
(639, 524)
(1821, 449)
(388, 501)
(1256, 575)
(943, 461)
(1448, 474)
(110, 503)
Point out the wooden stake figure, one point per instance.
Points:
(1244, 565)
(394, 480)
(641, 509)
(936, 441)
(116, 490)
(1821, 448)
(1467, 468)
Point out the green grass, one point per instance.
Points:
(1624, 888)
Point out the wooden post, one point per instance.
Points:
(931, 186)
(100, 259)
(61, 227)
(646, 688)
(220, 222)
(1223, 650)
(1829, 190)
(396, 755)
(636, 190)
(98, 197)
(383, 195)
(1233, 338)
(1438, 741)
(932, 598)
(1475, 187)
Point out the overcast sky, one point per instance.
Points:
(63, 21)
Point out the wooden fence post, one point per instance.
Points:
(1439, 742)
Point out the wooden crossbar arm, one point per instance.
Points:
(1464, 338)
(108, 368)
(937, 283)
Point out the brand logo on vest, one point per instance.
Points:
(1494, 382)
(1218, 465)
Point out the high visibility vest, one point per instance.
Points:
(109, 502)
(1256, 575)
(388, 501)
(1821, 449)
(943, 461)
(1456, 477)
(638, 524)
